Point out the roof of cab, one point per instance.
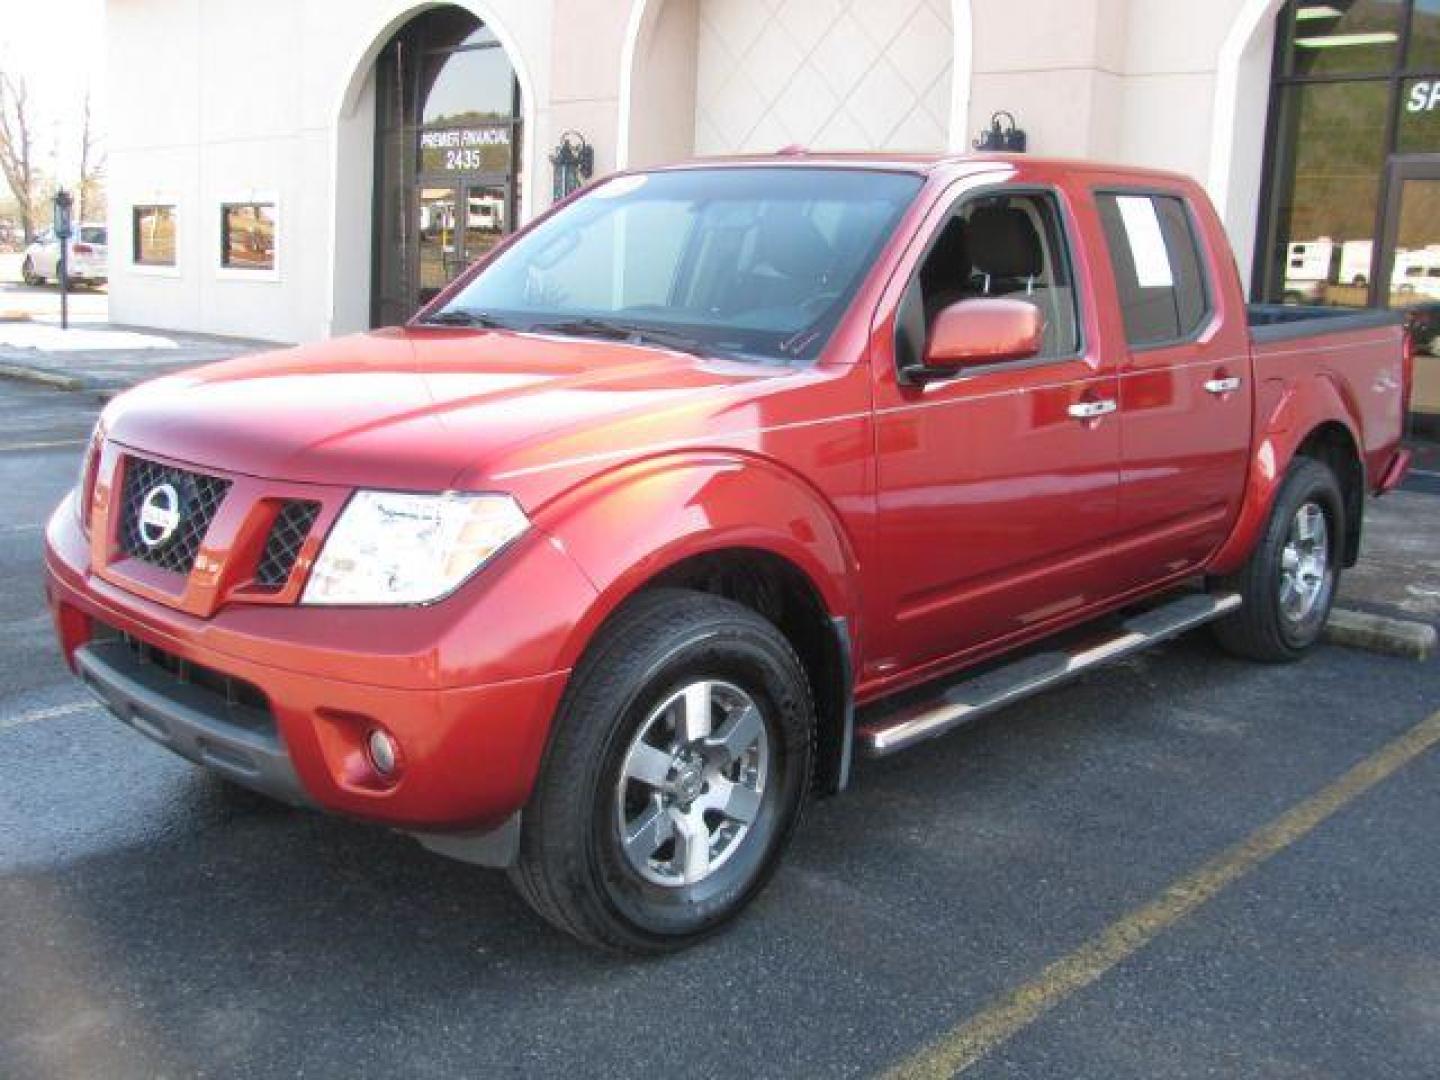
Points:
(917, 163)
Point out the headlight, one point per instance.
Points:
(85, 481)
(397, 548)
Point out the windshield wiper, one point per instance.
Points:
(464, 317)
(637, 335)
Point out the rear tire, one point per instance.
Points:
(1288, 583)
(28, 274)
(678, 767)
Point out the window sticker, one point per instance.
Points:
(1147, 243)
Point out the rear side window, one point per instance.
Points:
(1159, 275)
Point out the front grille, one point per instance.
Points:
(282, 546)
(198, 499)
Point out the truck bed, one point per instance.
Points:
(1358, 352)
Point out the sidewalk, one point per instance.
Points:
(107, 358)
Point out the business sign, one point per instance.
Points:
(1424, 96)
(466, 150)
(1419, 131)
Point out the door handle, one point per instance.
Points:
(1229, 384)
(1092, 410)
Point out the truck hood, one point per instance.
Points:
(429, 410)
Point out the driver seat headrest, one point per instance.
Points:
(1004, 244)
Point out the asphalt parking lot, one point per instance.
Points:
(1168, 868)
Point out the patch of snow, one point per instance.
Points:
(30, 335)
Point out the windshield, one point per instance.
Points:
(754, 262)
(92, 234)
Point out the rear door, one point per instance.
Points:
(1185, 395)
(997, 489)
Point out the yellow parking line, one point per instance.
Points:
(981, 1033)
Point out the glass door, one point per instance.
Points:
(455, 225)
(487, 212)
(1410, 267)
(441, 249)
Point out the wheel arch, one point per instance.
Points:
(1333, 444)
(1317, 424)
(732, 526)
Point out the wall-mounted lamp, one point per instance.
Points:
(574, 163)
(1010, 140)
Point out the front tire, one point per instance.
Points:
(678, 768)
(1288, 584)
(28, 274)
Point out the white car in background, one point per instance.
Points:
(88, 260)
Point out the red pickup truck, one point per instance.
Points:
(709, 478)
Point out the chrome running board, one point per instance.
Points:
(961, 702)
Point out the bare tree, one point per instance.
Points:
(17, 147)
(90, 196)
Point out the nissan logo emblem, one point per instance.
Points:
(159, 515)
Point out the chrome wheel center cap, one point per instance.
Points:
(689, 780)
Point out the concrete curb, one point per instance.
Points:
(1381, 634)
(53, 379)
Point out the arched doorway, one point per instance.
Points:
(448, 135)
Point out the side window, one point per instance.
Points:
(1008, 246)
(1159, 276)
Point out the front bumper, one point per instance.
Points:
(237, 741)
(447, 682)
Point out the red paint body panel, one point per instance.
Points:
(945, 522)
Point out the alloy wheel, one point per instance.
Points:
(1304, 563)
(691, 783)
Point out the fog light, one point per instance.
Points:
(383, 752)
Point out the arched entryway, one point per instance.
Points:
(715, 76)
(448, 135)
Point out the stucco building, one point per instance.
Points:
(292, 169)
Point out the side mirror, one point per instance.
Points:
(981, 331)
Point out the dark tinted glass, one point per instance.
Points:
(1418, 131)
(1336, 37)
(1424, 49)
(1191, 303)
(1331, 151)
(1159, 275)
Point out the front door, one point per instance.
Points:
(1410, 267)
(997, 489)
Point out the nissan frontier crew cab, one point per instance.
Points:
(712, 478)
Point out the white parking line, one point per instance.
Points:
(49, 712)
(56, 445)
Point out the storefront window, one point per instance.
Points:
(153, 232)
(1418, 130)
(1331, 137)
(247, 236)
(1346, 114)
(1424, 50)
(1345, 36)
(473, 83)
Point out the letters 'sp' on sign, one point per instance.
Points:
(1424, 97)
